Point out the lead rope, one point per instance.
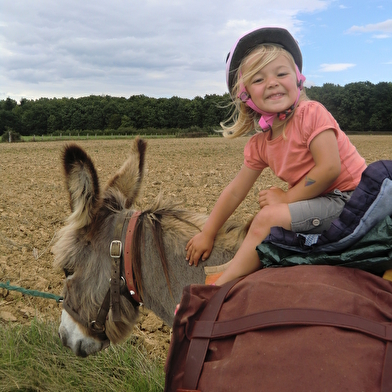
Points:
(33, 293)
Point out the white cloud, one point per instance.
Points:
(384, 27)
(338, 67)
(121, 47)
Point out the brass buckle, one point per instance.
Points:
(115, 249)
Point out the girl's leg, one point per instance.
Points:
(246, 260)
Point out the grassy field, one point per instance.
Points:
(33, 359)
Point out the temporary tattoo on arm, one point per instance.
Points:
(309, 181)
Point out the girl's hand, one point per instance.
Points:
(200, 246)
(272, 196)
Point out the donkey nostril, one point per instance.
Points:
(80, 352)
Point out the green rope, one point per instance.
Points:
(33, 293)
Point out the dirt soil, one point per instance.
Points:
(34, 205)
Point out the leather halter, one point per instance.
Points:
(118, 284)
(128, 257)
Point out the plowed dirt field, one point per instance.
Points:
(34, 205)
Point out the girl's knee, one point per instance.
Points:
(267, 213)
(273, 215)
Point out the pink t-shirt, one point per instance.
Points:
(290, 159)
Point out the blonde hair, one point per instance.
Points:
(244, 119)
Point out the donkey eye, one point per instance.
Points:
(67, 272)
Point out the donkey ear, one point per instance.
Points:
(128, 179)
(82, 183)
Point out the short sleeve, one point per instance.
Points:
(316, 119)
(253, 152)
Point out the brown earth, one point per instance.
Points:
(34, 204)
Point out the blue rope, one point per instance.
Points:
(33, 293)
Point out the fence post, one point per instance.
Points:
(9, 137)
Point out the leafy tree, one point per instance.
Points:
(9, 104)
(380, 105)
(216, 109)
(114, 121)
(8, 117)
(51, 123)
(125, 122)
(359, 106)
(355, 106)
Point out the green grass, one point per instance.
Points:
(32, 358)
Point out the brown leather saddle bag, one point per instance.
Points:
(303, 328)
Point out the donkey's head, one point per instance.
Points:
(82, 249)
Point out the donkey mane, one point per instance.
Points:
(166, 217)
(153, 218)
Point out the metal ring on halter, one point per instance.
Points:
(97, 327)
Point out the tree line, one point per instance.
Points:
(358, 107)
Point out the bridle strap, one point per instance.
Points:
(115, 281)
(99, 323)
(128, 257)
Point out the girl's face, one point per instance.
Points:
(274, 88)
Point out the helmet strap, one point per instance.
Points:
(283, 115)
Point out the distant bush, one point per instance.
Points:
(11, 136)
(192, 134)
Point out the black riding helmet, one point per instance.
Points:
(249, 41)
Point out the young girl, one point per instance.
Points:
(297, 138)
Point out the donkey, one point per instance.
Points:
(104, 233)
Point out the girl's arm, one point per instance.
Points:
(325, 152)
(200, 245)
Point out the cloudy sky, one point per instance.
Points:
(162, 48)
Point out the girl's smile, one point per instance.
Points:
(275, 96)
